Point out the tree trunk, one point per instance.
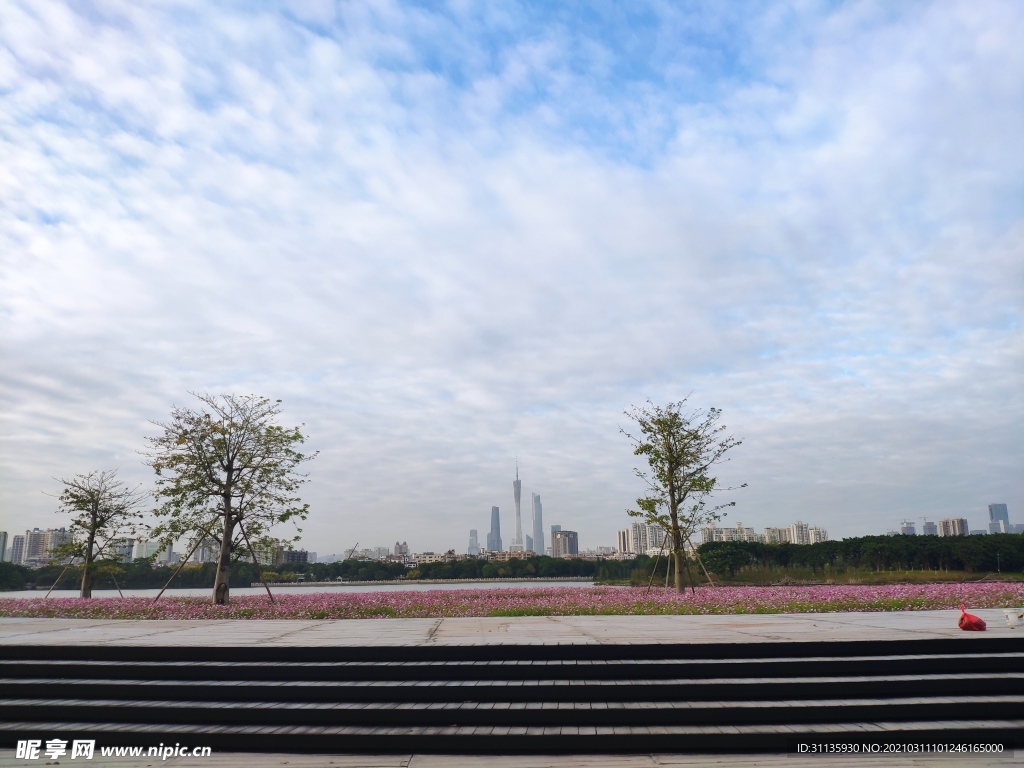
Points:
(223, 578)
(85, 591)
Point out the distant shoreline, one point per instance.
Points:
(416, 581)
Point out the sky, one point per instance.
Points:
(451, 236)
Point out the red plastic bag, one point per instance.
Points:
(970, 622)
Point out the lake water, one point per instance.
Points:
(295, 590)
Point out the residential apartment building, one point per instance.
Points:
(36, 547)
(817, 534)
(640, 539)
(797, 533)
(17, 551)
(955, 526)
(565, 543)
(738, 532)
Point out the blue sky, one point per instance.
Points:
(447, 235)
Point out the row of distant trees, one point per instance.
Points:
(999, 552)
(996, 552)
(141, 575)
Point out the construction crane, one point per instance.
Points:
(349, 555)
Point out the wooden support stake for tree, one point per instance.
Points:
(184, 560)
(58, 578)
(696, 554)
(655, 569)
(689, 573)
(117, 585)
(256, 563)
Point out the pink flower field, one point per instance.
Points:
(559, 601)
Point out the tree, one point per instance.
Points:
(681, 450)
(105, 514)
(227, 472)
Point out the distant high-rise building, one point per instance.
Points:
(817, 534)
(517, 487)
(145, 549)
(799, 533)
(494, 537)
(55, 537)
(907, 528)
(291, 556)
(538, 525)
(956, 526)
(564, 543)
(737, 532)
(474, 543)
(17, 549)
(528, 547)
(999, 519)
(35, 547)
(929, 529)
(401, 550)
(3, 546)
(640, 538)
(554, 530)
(776, 535)
(622, 542)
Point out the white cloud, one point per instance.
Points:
(445, 241)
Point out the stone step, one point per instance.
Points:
(562, 669)
(726, 648)
(621, 689)
(532, 713)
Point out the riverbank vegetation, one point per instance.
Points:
(865, 560)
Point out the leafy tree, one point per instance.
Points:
(105, 513)
(12, 576)
(227, 471)
(725, 557)
(681, 450)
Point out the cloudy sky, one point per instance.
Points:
(449, 235)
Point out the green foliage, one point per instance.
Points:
(227, 472)
(681, 450)
(13, 576)
(104, 513)
(971, 554)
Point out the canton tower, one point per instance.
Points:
(517, 488)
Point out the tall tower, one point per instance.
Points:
(538, 525)
(517, 488)
(494, 537)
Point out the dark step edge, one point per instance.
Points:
(714, 713)
(968, 642)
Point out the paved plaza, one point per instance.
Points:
(548, 630)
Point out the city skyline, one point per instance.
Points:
(638, 538)
(444, 235)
